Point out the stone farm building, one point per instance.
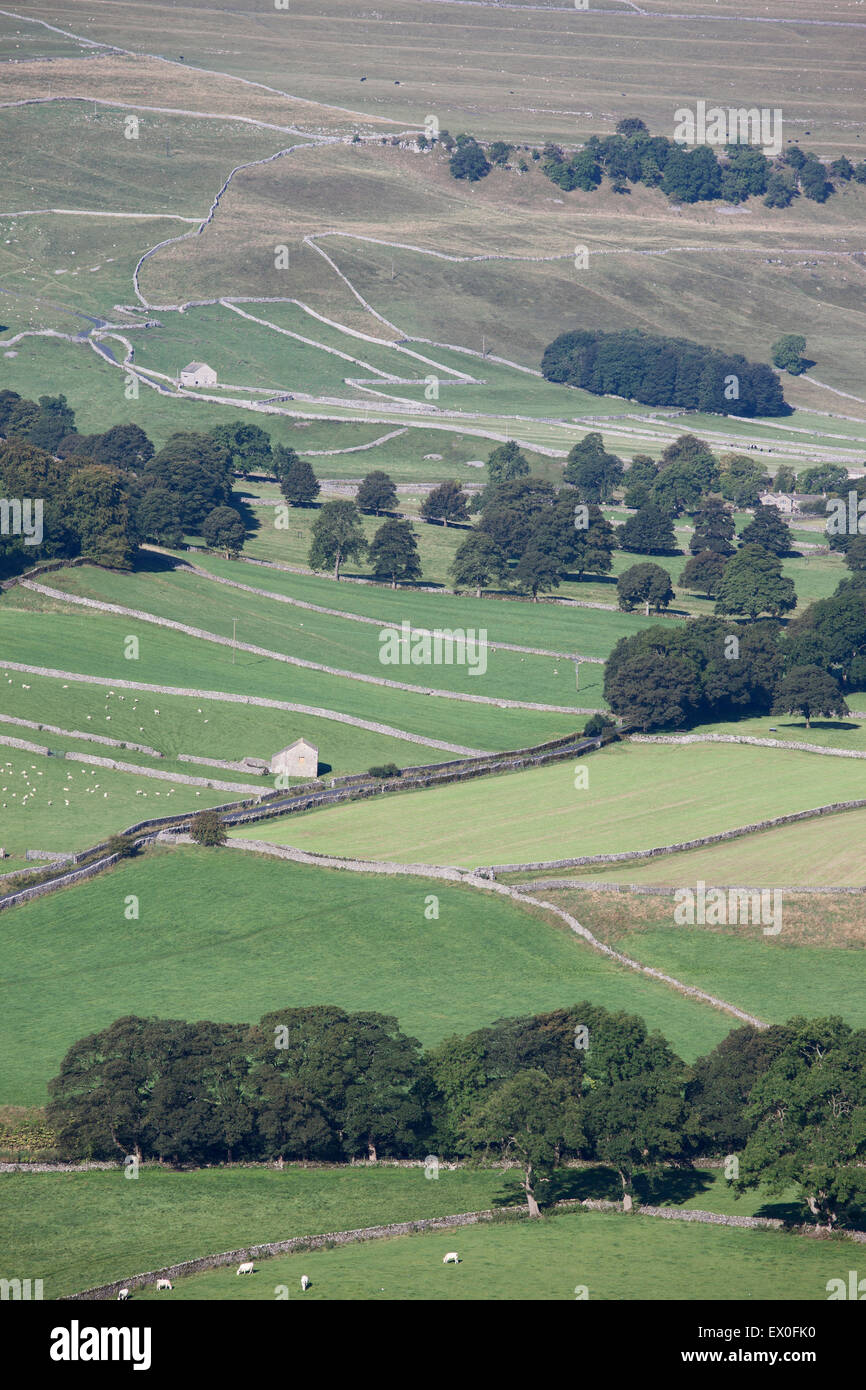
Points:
(300, 759)
(197, 374)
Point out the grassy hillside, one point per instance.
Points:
(228, 935)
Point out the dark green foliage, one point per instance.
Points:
(787, 353)
(781, 189)
(468, 160)
(639, 480)
(478, 560)
(158, 517)
(722, 1083)
(745, 173)
(447, 502)
(377, 493)
(825, 478)
(645, 584)
(692, 175)
(337, 536)
(597, 724)
(674, 676)
(385, 770)
(53, 420)
(298, 483)
(742, 480)
(662, 371)
(197, 470)
(649, 531)
(208, 828)
(537, 569)
(768, 530)
(594, 472)
(223, 529)
(808, 690)
(505, 462)
(714, 529)
(394, 552)
(807, 1120)
(753, 583)
(122, 446)
(248, 446)
(702, 573)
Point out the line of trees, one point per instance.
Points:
(320, 1083)
(685, 174)
(663, 371)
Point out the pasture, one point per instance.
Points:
(595, 1255)
(51, 804)
(113, 1228)
(93, 644)
(638, 796)
(228, 935)
(317, 637)
(191, 724)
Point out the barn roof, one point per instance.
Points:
(196, 367)
(298, 743)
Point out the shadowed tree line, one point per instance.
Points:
(323, 1084)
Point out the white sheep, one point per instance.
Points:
(245, 1268)
(163, 1284)
(305, 1283)
(452, 1258)
(122, 1295)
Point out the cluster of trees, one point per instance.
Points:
(322, 1084)
(711, 669)
(529, 534)
(663, 371)
(695, 174)
(686, 174)
(103, 494)
(338, 536)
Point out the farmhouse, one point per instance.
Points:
(197, 374)
(300, 759)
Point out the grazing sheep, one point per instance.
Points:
(122, 1295)
(245, 1268)
(305, 1283)
(163, 1284)
(452, 1258)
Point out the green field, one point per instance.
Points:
(51, 804)
(93, 644)
(82, 1229)
(191, 724)
(229, 935)
(638, 796)
(113, 1228)
(827, 852)
(603, 1254)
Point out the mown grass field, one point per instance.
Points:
(827, 851)
(638, 796)
(229, 935)
(595, 1255)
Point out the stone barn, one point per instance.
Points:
(197, 374)
(300, 759)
